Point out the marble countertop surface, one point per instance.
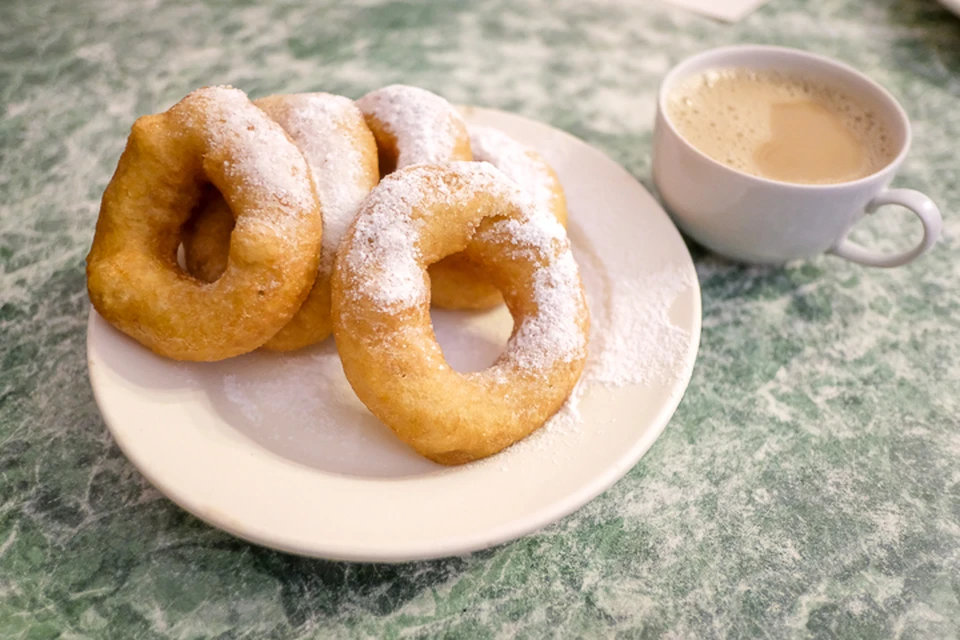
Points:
(808, 486)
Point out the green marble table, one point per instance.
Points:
(808, 486)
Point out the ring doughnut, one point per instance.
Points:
(215, 136)
(523, 165)
(381, 314)
(342, 154)
(414, 126)
(458, 283)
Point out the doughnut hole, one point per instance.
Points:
(206, 237)
(471, 341)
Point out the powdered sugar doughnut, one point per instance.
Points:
(381, 314)
(342, 154)
(521, 164)
(414, 126)
(458, 284)
(213, 136)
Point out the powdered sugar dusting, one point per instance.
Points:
(423, 122)
(315, 122)
(640, 343)
(633, 341)
(385, 247)
(514, 159)
(537, 232)
(553, 333)
(259, 161)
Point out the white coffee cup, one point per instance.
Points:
(757, 220)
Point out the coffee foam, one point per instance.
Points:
(726, 114)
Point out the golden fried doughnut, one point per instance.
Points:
(414, 126)
(457, 283)
(342, 154)
(213, 136)
(523, 165)
(381, 314)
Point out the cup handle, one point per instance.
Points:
(921, 205)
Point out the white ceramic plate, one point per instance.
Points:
(276, 449)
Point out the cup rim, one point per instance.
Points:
(671, 77)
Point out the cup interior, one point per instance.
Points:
(799, 63)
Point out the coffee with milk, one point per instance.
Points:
(780, 127)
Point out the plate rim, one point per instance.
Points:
(446, 547)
